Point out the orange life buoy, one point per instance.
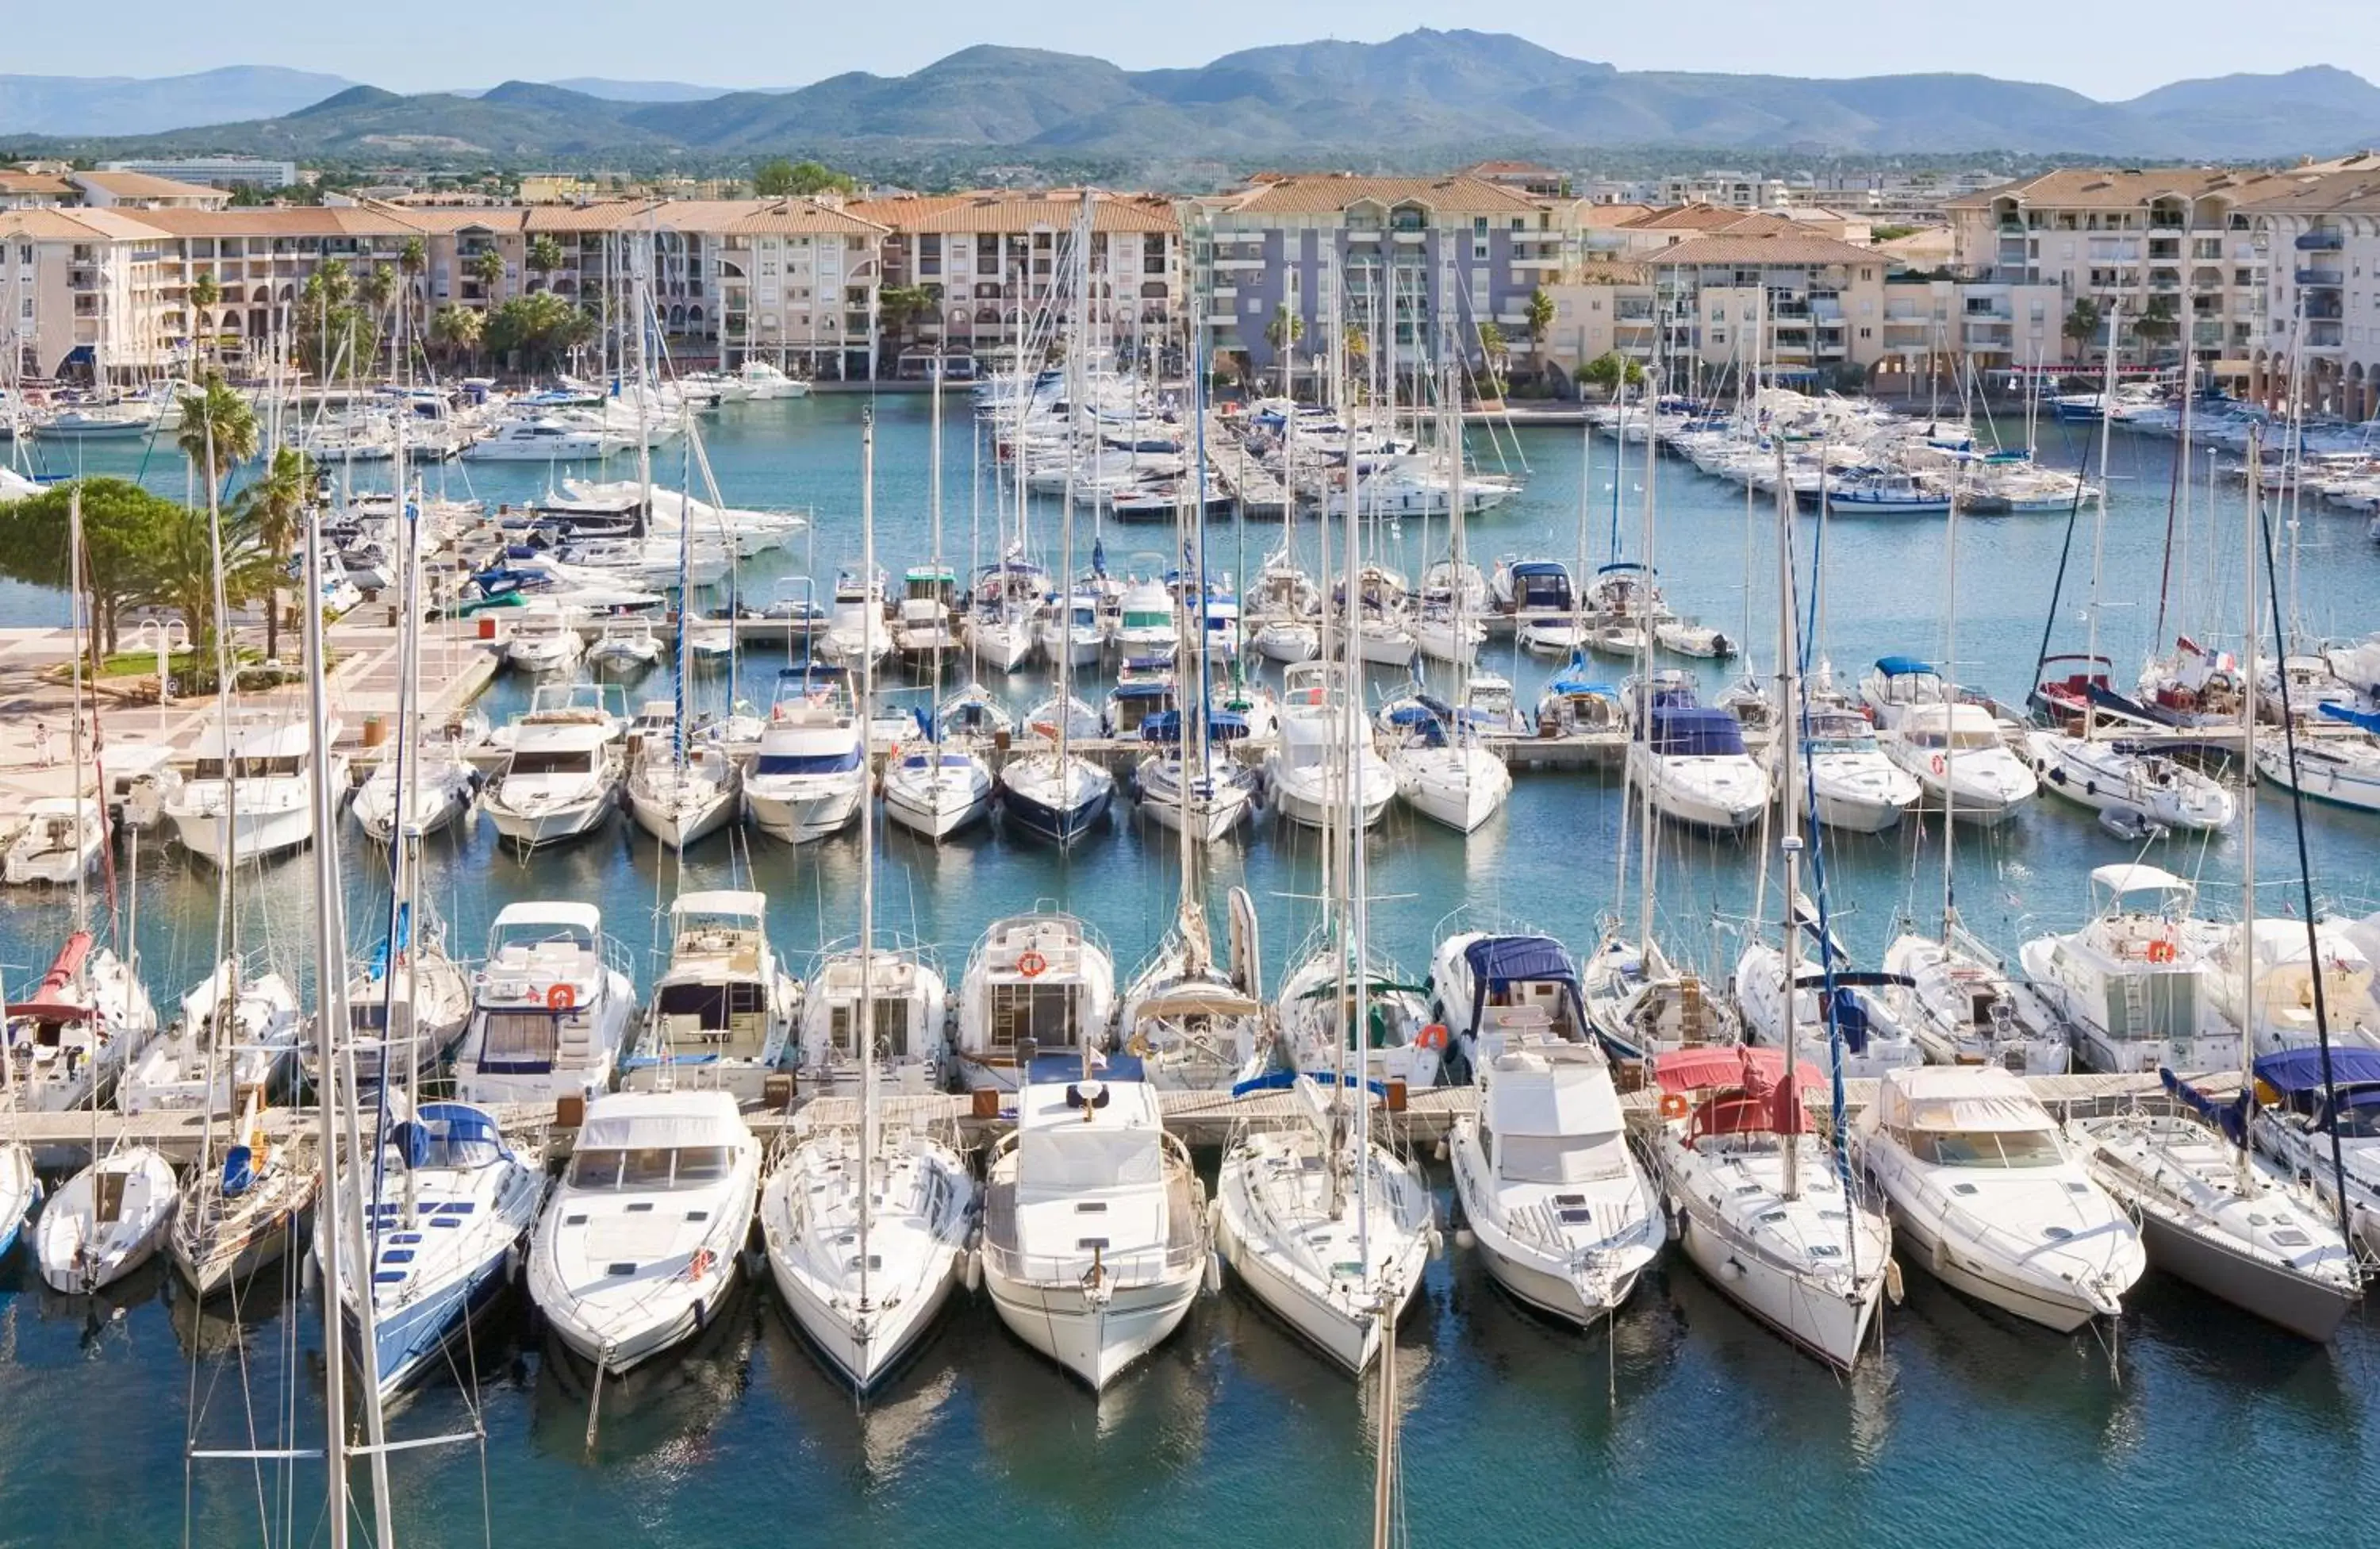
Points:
(1433, 1036)
(1031, 964)
(699, 1265)
(2161, 950)
(1673, 1105)
(560, 997)
(1939, 764)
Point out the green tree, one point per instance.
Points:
(1285, 329)
(1540, 322)
(544, 258)
(1610, 370)
(122, 525)
(2158, 325)
(899, 308)
(779, 178)
(272, 508)
(456, 332)
(179, 567)
(330, 332)
(413, 261)
(206, 294)
(487, 266)
(218, 430)
(377, 292)
(535, 332)
(1496, 351)
(2083, 324)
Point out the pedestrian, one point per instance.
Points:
(42, 744)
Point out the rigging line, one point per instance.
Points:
(2065, 554)
(2305, 866)
(2172, 507)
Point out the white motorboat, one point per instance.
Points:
(1090, 1138)
(562, 781)
(1690, 760)
(857, 630)
(1958, 754)
(545, 439)
(442, 786)
(626, 646)
(810, 778)
(1489, 989)
(1984, 1196)
(449, 1210)
(107, 1221)
(2274, 1000)
(1563, 1216)
(1759, 1206)
(83, 1024)
(549, 1009)
(643, 1237)
(1040, 982)
(60, 842)
(239, 1032)
(682, 798)
(763, 383)
(246, 795)
(1329, 1229)
(934, 791)
(2130, 986)
(2107, 773)
(1306, 771)
(2213, 1212)
(1852, 785)
(911, 1025)
(1639, 1004)
(722, 1013)
(1962, 1005)
(1073, 628)
(544, 638)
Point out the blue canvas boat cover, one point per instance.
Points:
(1902, 666)
(2293, 1071)
(1691, 732)
(2368, 720)
(1500, 962)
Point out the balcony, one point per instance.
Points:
(2323, 241)
(2207, 336)
(1990, 335)
(2324, 336)
(2324, 279)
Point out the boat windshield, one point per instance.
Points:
(806, 763)
(556, 760)
(1560, 1158)
(1985, 1147)
(649, 1167)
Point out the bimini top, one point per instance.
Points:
(1964, 1098)
(1903, 667)
(1541, 567)
(2368, 720)
(1500, 962)
(1730, 1065)
(1689, 731)
(1621, 567)
(581, 917)
(2299, 1070)
(732, 905)
(2124, 878)
(256, 736)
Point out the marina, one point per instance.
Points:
(569, 1411)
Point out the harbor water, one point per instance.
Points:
(1684, 1422)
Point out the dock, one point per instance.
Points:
(1202, 1119)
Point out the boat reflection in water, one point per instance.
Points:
(661, 1411)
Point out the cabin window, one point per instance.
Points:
(891, 1028)
(1563, 1158)
(1984, 1148)
(1044, 1013)
(519, 1037)
(556, 760)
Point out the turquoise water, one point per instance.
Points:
(1686, 1424)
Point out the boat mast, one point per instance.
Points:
(1788, 742)
(2099, 527)
(1951, 703)
(865, 1023)
(1645, 663)
(2244, 1173)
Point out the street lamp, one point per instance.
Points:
(171, 635)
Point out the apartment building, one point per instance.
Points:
(2320, 225)
(83, 289)
(218, 171)
(2175, 239)
(991, 257)
(21, 190)
(1387, 248)
(141, 191)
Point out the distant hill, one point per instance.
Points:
(1415, 100)
(121, 106)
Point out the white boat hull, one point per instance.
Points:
(1095, 1338)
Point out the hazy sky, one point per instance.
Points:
(2109, 49)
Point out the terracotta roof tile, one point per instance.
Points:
(994, 211)
(1327, 193)
(142, 185)
(1786, 246)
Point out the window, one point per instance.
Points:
(1985, 1147)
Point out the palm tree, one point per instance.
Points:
(456, 332)
(487, 266)
(413, 261)
(1283, 333)
(270, 510)
(206, 294)
(1495, 352)
(377, 291)
(1540, 322)
(544, 258)
(218, 430)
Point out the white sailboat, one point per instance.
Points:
(107, 1221)
(249, 1212)
(643, 1238)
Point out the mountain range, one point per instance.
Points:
(1416, 99)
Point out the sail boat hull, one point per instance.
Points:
(2307, 1307)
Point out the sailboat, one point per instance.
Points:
(107, 1221)
(1194, 1023)
(936, 788)
(249, 1212)
(867, 1234)
(20, 1190)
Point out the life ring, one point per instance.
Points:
(1673, 1105)
(560, 997)
(1432, 1037)
(1938, 765)
(1031, 964)
(699, 1265)
(2161, 950)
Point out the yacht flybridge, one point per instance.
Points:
(722, 1014)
